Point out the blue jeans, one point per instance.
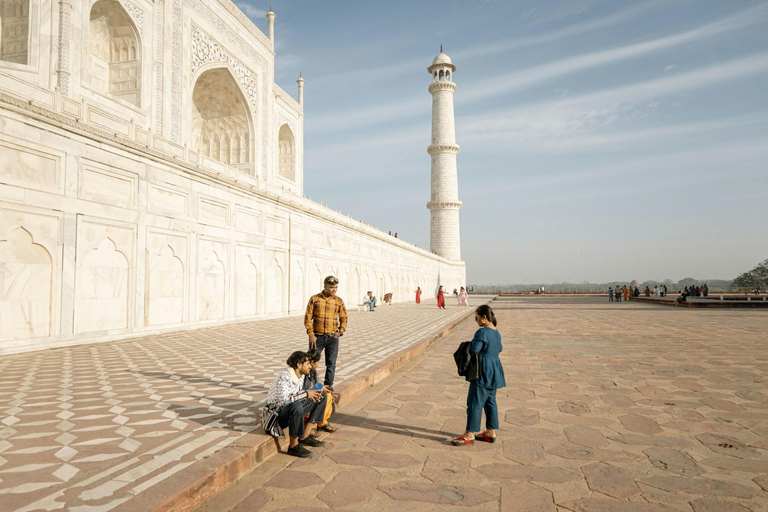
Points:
(292, 415)
(331, 347)
(479, 399)
(371, 304)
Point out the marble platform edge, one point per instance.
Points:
(188, 489)
(702, 303)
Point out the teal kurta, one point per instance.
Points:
(487, 343)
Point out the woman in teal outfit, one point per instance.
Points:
(482, 392)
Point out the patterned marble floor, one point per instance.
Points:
(87, 428)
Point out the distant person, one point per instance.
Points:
(486, 343)
(440, 298)
(625, 293)
(610, 294)
(455, 292)
(418, 295)
(647, 292)
(705, 292)
(617, 294)
(665, 290)
(388, 298)
(325, 321)
(656, 290)
(462, 299)
(637, 292)
(370, 301)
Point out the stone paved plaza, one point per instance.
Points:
(609, 408)
(90, 427)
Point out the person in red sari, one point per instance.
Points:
(440, 299)
(418, 295)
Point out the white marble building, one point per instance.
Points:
(151, 179)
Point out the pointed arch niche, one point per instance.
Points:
(14, 31)
(286, 165)
(115, 52)
(221, 125)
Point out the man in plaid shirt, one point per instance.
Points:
(326, 321)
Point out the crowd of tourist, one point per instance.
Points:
(627, 291)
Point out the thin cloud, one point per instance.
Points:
(533, 76)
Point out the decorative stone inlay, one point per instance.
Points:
(205, 49)
(159, 46)
(176, 23)
(65, 15)
(136, 14)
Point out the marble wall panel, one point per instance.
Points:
(298, 234)
(276, 228)
(247, 280)
(105, 184)
(167, 201)
(275, 282)
(31, 165)
(103, 275)
(108, 121)
(28, 256)
(167, 257)
(213, 212)
(212, 278)
(297, 297)
(248, 220)
(316, 238)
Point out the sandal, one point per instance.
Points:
(462, 440)
(488, 439)
(328, 428)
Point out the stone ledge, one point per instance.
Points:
(191, 487)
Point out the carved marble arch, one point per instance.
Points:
(115, 52)
(221, 126)
(14, 31)
(286, 153)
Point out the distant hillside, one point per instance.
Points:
(714, 285)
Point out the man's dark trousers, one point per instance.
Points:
(292, 415)
(331, 346)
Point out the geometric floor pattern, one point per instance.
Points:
(620, 407)
(87, 428)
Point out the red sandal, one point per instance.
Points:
(462, 440)
(488, 439)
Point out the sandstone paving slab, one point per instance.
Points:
(521, 472)
(351, 486)
(610, 480)
(704, 486)
(608, 505)
(727, 445)
(716, 505)
(526, 497)
(586, 436)
(446, 467)
(746, 465)
(373, 459)
(524, 451)
(438, 494)
(294, 480)
(673, 460)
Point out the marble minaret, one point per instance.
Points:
(444, 202)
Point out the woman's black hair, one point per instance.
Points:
(486, 311)
(313, 356)
(296, 359)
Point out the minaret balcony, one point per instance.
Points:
(444, 205)
(442, 86)
(443, 148)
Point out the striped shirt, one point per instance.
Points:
(325, 315)
(286, 388)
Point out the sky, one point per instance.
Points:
(600, 140)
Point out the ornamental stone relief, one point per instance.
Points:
(136, 14)
(206, 50)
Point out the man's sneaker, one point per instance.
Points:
(310, 441)
(299, 451)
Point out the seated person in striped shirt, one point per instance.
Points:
(325, 321)
(288, 402)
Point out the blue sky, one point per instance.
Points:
(600, 140)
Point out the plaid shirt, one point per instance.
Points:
(325, 315)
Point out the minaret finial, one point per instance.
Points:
(441, 46)
(270, 6)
